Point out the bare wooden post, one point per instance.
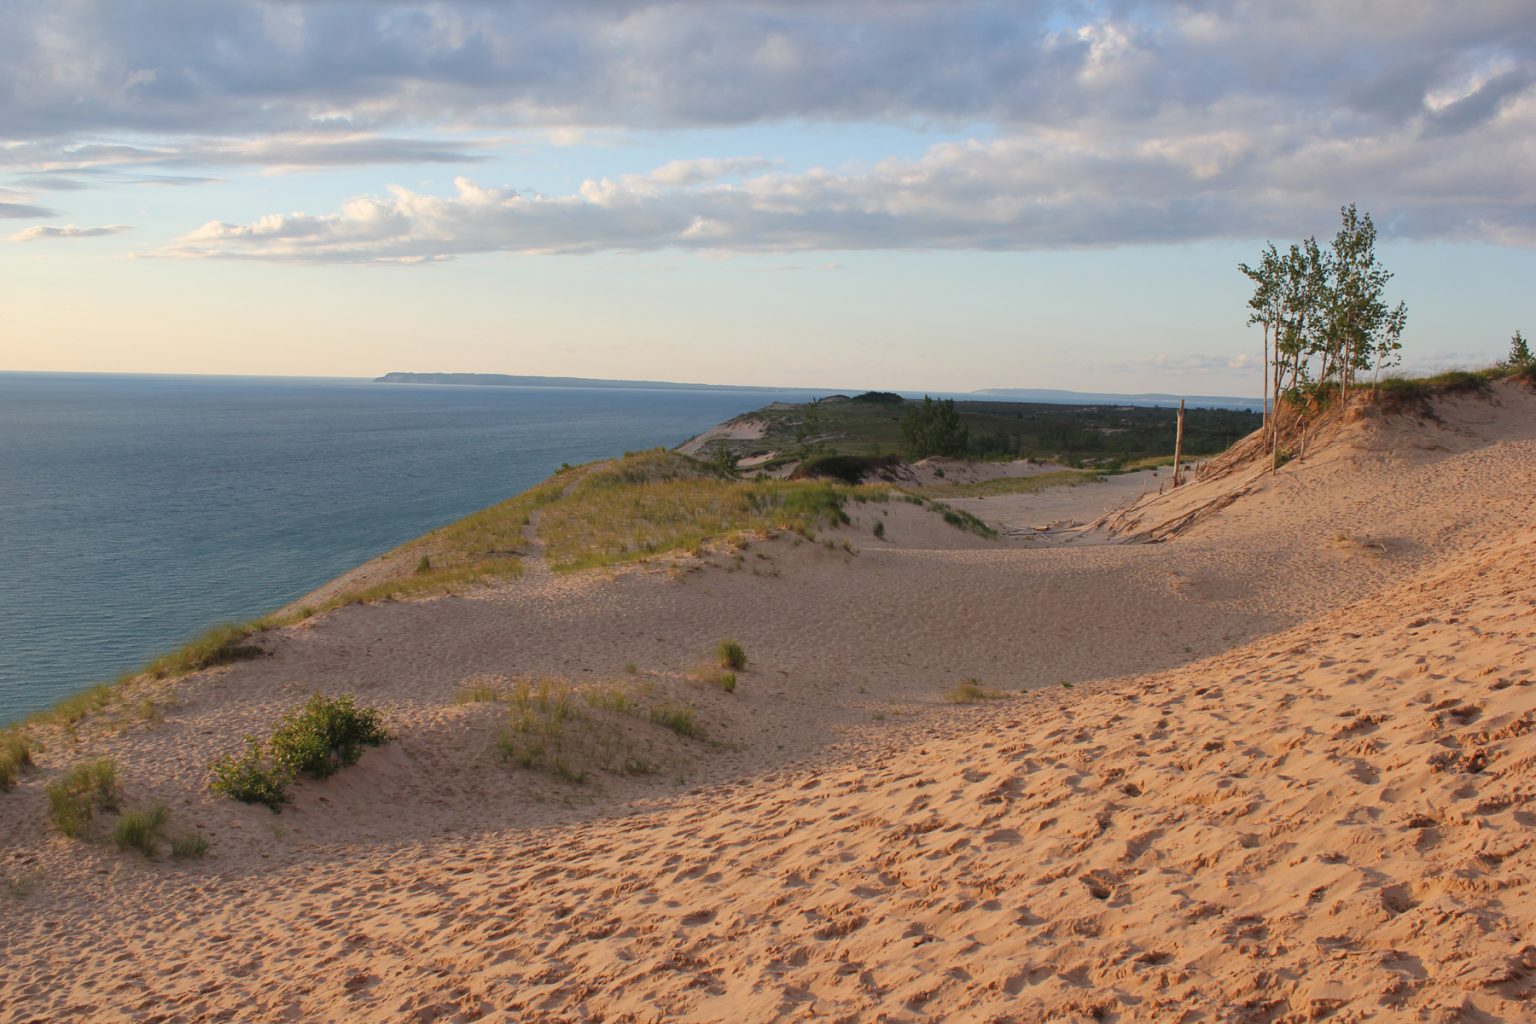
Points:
(1178, 449)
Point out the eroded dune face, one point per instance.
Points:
(1292, 779)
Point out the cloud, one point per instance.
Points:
(18, 211)
(1041, 190)
(276, 153)
(244, 67)
(42, 231)
(1094, 123)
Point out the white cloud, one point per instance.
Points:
(1099, 124)
(44, 231)
(1040, 190)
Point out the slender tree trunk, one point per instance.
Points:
(1178, 448)
(1267, 424)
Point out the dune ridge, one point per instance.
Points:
(1291, 781)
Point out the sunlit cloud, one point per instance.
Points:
(46, 231)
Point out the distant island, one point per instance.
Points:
(1053, 396)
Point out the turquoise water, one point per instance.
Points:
(136, 511)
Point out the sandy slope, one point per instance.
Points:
(1292, 781)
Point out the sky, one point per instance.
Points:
(907, 194)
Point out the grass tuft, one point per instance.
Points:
(84, 789)
(726, 680)
(478, 690)
(680, 718)
(572, 733)
(189, 846)
(220, 645)
(140, 829)
(730, 655)
(970, 691)
(15, 754)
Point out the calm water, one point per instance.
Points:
(137, 511)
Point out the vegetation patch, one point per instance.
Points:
(249, 778)
(970, 691)
(850, 469)
(218, 646)
(85, 789)
(655, 502)
(731, 655)
(15, 754)
(963, 520)
(189, 846)
(140, 829)
(680, 718)
(325, 735)
(571, 733)
(317, 739)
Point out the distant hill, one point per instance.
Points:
(1052, 396)
(1058, 397)
(520, 381)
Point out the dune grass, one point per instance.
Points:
(970, 691)
(729, 654)
(571, 732)
(85, 789)
(139, 829)
(15, 754)
(189, 846)
(650, 503)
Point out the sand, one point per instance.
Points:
(1290, 779)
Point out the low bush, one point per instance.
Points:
(84, 789)
(140, 829)
(726, 681)
(248, 778)
(326, 734)
(850, 469)
(731, 655)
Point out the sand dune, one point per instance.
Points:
(1290, 781)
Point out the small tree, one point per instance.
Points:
(934, 428)
(1520, 357)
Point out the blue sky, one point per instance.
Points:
(910, 194)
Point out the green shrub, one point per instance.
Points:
(726, 681)
(731, 655)
(189, 846)
(140, 829)
(84, 789)
(15, 754)
(324, 735)
(247, 778)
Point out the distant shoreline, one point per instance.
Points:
(1054, 396)
(523, 381)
